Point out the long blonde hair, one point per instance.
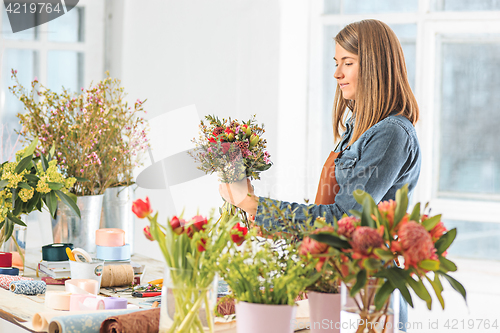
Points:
(382, 78)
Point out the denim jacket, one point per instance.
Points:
(382, 160)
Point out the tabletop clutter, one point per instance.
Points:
(78, 308)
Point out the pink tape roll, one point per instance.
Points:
(5, 280)
(5, 259)
(76, 300)
(57, 300)
(110, 237)
(82, 286)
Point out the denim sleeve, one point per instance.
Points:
(384, 153)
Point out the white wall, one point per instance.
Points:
(223, 56)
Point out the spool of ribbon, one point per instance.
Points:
(76, 300)
(110, 237)
(115, 303)
(92, 303)
(82, 286)
(57, 300)
(113, 252)
(5, 259)
(5, 280)
(28, 287)
(117, 275)
(81, 255)
(55, 252)
(9, 271)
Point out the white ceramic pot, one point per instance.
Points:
(324, 312)
(264, 318)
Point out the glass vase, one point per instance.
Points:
(16, 245)
(359, 314)
(188, 301)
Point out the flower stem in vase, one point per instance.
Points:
(188, 319)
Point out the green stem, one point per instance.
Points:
(189, 317)
(208, 312)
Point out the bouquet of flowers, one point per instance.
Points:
(28, 183)
(235, 150)
(191, 250)
(364, 247)
(99, 139)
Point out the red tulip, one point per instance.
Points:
(238, 235)
(176, 225)
(201, 245)
(141, 208)
(147, 233)
(199, 222)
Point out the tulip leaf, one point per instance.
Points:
(429, 265)
(23, 164)
(401, 204)
(330, 240)
(68, 201)
(431, 222)
(360, 283)
(443, 243)
(415, 214)
(448, 265)
(383, 294)
(421, 291)
(456, 285)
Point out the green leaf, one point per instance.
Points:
(16, 220)
(81, 179)
(448, 265)
(415, 214)
(23, 164)
(383, 294)
(51, 201)
(45, 163)
(331, 240)
(52, 151)
(68, 201)
(31, 178)
(401, 204)
(431, 222)
(456, 285)
(24, 185)
(385, 255)
(17, 207)
(397, 277)
(55, 186)
(372, 264)
(421, 291)
(3, 183)
(438, 288)
(33, 201)
(360, 283)
(429, 265)
(2, 224)
(443, 243)
(355, 213)
(9, 228)
(31, 148)
(368, 204)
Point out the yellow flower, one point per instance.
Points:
(26, 194)
(42, 185)
(69, 182)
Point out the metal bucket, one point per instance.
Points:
(117, 211)
(69, 228)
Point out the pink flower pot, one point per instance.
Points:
(264, 318)
(324, 312)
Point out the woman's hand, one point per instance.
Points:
(241, 195)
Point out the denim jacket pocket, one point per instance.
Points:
(345, 162)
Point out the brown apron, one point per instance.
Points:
(328, 187)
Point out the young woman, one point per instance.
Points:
(379, 150)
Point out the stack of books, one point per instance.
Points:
(54, 272)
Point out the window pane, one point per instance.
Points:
(369, 6)
(407, 35)
(67, 28)
(29, 34)
(465, 5)
(24, 61)
(475, 239)
(470, 117)
(65, 68)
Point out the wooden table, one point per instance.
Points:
(20, 309)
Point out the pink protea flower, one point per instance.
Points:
(347, 225)
(416, 243)
(364, 240)
(311, 246)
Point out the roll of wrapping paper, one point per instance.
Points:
(5, 280)
(5, 259)
(146, 321)
(56, 252)
(114, 303)
(83, 322)
(9, 271)
(82, 286)
(57, 300)
(113, 252)
(110, 237)
(28, 287)
(117, 275)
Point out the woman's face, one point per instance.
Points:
(347, 71)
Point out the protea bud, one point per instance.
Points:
(230, 137)
(254, 139)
